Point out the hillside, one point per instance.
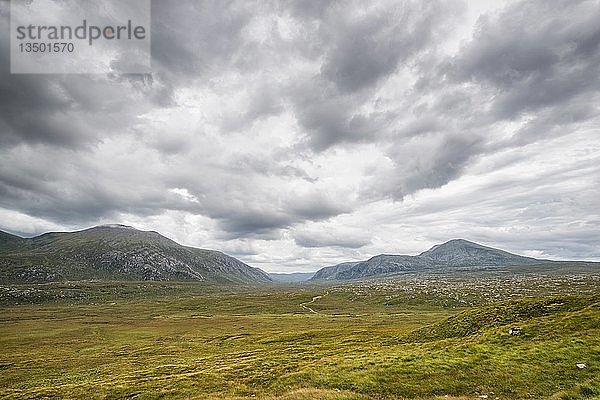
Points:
(452, 254)
(115, 252)
(367, 341)
(382, 264)
(460, 252)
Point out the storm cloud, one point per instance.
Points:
(298, 134)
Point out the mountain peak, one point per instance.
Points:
(453, 244)
(115, 226)
(453, 253)
(460, 241)
(116, 252)
(464, 252)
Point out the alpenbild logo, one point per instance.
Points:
(80, 36)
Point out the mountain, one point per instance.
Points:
(291, 277)
(454, 253)
(9, 242)
(336, 272)
(460, 252)
(382, 264)
(115, 252)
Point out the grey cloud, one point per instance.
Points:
(420, 126)
(331, 118)
(364, 52)
(191, 38)
(68, 197)
(240, 248)
(535, 54)
(532, 60)
(58, 187)
(330, 124)
(424, 162)
(78, 110)
(264, 101)
(246, 163)
(556, 121)
(28, 103)
(154, 87)
(71, 111)
(455, 102)
(360, 51)
(316, 206)
(325, 80)
(369, 48)
(526, 222)
(327, 239)
(534, 206)
(64, 111)
(171, 145)
(309, 9)
(266, 218)
(445, 164)
(263, 223)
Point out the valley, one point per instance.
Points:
(413, 337)
(300, 200)
(112, 312)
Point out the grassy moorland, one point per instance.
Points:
(415, 337)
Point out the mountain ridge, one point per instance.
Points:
(450, 254)
(457, 251)
(116, 252)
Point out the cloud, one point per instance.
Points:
(263, 223)
(347, 239)
(362, 47)
(297, 134)
(367, 43)
(423, 162)
(330, 118)
(533, 55)
(316, 206)
(191, 39)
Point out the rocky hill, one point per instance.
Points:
(116, 252)
(452, 254)
(460, 252)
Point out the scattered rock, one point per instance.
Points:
(514, 331)
(581, 365)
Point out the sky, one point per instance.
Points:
(299, 134)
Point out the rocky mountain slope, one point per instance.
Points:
(460, 252)
(115, 252)
(452, 254)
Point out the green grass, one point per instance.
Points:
(184, 340)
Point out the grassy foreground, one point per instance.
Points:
(149, 341)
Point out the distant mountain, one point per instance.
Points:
(292, 277)
(379, 265)
(115, 252)
(460, 252)
(9, 242)
(454, 253)
(337, 272)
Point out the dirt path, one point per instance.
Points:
(304, 305)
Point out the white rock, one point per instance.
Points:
(581, 366)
